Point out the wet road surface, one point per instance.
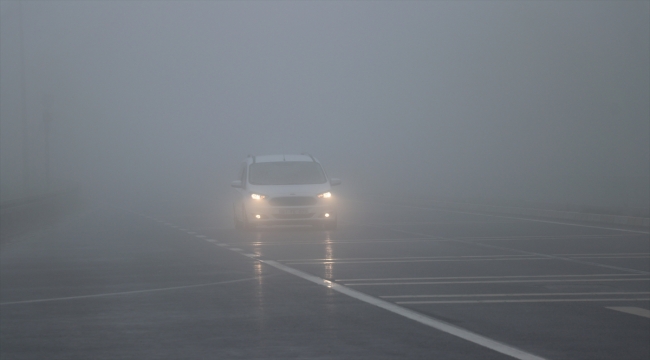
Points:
(393, 282)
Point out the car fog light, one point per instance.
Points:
(258, 216)
(327, 215)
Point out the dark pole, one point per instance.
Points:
(24, 104)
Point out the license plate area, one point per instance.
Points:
(293, 211)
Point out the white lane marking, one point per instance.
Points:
(250, 255)
(191, 232)
(486, 277)
(534, 253)
(436, 222)
(407, 258)
(613, 256)
(489, 282)
(513, 301)
(632, 310)
(522, 218)
(602, 255)
(410, 261)
(222, 244)
(127, 292)
(371, 241)
(570, 258)
(503, 216)
(606, 254)
(181, 229)
(551, 237)
(563, 238)
(201, 236)
(410, 314)
(211, 240)
(511, 295)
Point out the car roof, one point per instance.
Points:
(278, 158)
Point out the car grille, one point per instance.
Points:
(293, 201)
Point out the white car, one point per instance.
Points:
(284, 190)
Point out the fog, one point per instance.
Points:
(535, 101)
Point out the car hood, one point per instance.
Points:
(289, 190)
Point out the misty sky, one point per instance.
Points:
(534, 100)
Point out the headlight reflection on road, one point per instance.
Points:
(257, 249)
(328, 256)
(258, 273)
(259, 294)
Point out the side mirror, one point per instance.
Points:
(236, 184)
(335, 181)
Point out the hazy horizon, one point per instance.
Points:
(532, 101)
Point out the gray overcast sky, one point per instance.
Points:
(535, 100)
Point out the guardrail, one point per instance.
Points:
(24, 215)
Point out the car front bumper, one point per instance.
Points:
(264, 214)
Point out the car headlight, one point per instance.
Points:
(325, 195)
(258, 196)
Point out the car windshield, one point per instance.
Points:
(286, 173)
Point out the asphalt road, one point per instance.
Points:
(393, 282)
